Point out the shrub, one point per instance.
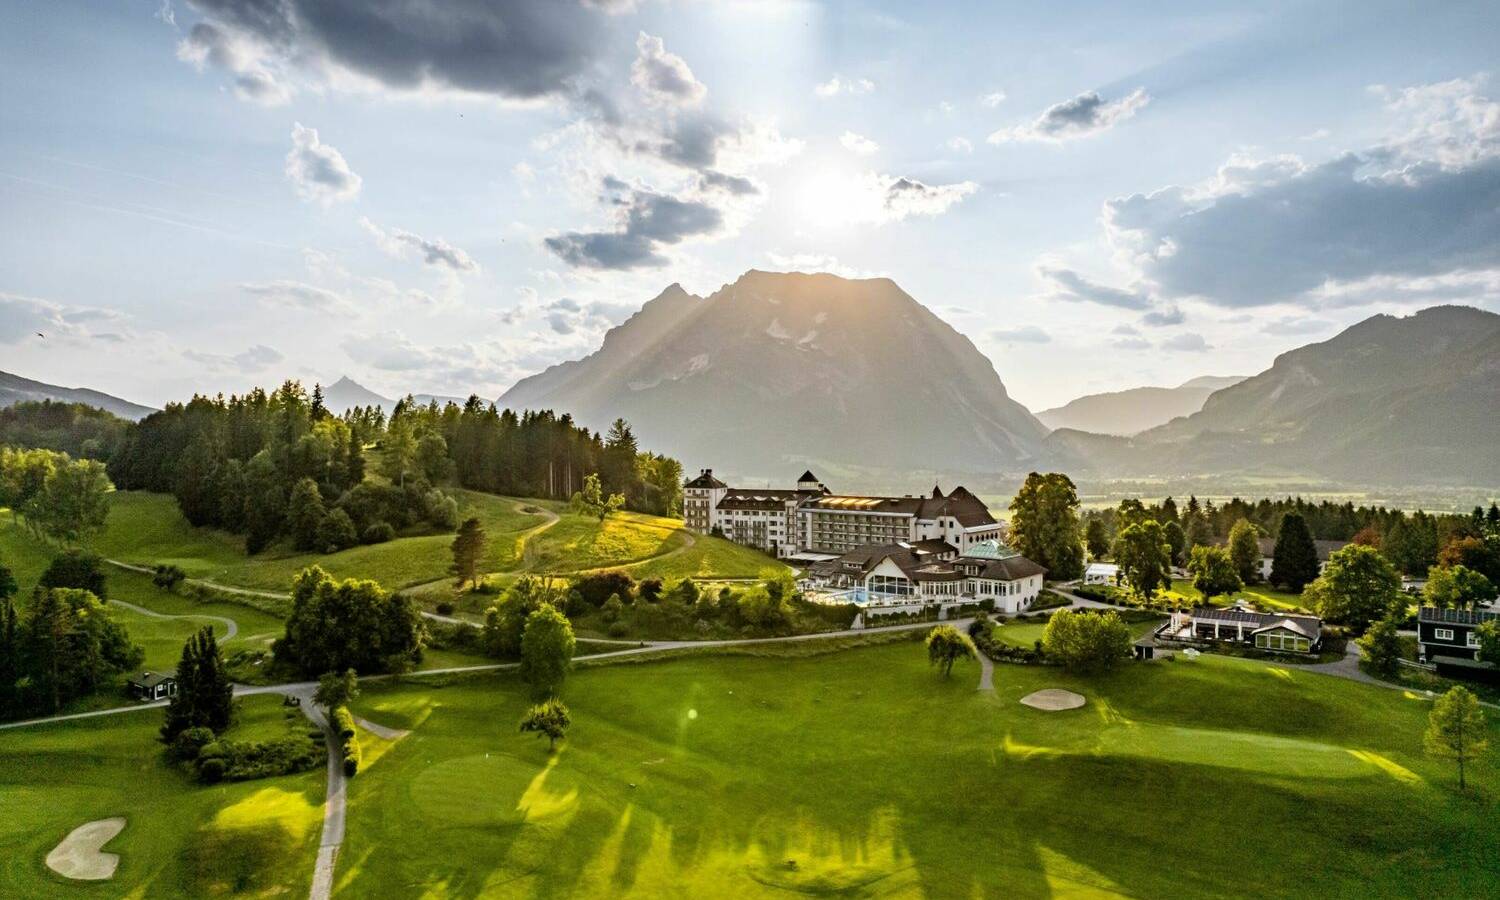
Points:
(337, 532)
(600, 586)
(442, 510)
(343, 723)
(190, 742)
(379, 533)
(619, 629)
(351, 759)
(486, 588)
(211, 771)
(168, 577)
(612, 609)
(445, 608)
(650, 590)
(76, 569)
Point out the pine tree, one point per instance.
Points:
(305, 513)
(1456, 730)
(1244, 549)
(354, 460)
(205, 694)
(1295, 560)
(10, 657)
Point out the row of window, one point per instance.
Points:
(1446, 634)
(1281, 642)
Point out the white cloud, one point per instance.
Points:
(319, 171)
(433, 251)
(256, 358)
(25, 318)
(298, 295)
(840, 85)
(992, 99)
(857, 143)
(1085, 115)
(870, 198)
(662, 77)
(960, 145)
(1025, 334)
(1188, 342)
(257, 73)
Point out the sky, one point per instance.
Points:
(446, 197)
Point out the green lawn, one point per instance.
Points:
(1025, 633)
(864, 773)
(1259, 595)
(181, 839)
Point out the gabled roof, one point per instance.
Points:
(1325, 548)
(1308, 626)
(150, 680)
(706, 480)
(1012, 568)
(807, 476)
(762, 498)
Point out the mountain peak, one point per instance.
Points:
(779, 369)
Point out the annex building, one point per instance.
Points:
(811, 520)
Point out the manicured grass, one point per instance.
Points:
(1259, 595)
(181, 839)
(865, 773)
(1026, 632)
(148, 529)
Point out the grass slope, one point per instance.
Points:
(864, 773)
(181, 839)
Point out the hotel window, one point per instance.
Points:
(1473, 638)
(1442, 634)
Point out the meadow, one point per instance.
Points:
(864, 773)
(182, 839)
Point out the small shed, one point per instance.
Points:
(1145, 648)
(152, 685)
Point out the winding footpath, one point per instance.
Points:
(231, 628)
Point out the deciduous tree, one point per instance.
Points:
(1086, 641)
(1213, 572)
(547, 646)
(1357, 587)
(947, 645)
(1456, 729)
(1096, 537)
(336, 689)
(1381, 647)
(1457, 587)
(1044, 524)
(549, 718)
(1244, 550)
(1142, 553)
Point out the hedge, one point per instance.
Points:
(343, 722)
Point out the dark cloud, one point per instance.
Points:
(1187, 341)
(517, 49)
(1329, 223)
(1067, 284)
(735, 185)
(1166, 315)
(648, 221)
(1084, 115)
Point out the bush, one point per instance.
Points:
(379, 533)
(650, 590)
(618, 630)
(337, 532)
(168, 577)
(442, 510)
(343, 723)
(445, 608)
(190, 742)
(600, 586)
(612, 609)
(211, 771)
(76, 569)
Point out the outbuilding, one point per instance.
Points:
(152, 685)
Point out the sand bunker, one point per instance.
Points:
(1053, 699)
(80, 856)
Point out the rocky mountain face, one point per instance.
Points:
(1129, 412)
(1396, 400)
(15, 389)
(778, 370)
(346, 393)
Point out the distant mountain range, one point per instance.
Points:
(1395, 400)
(1129, 412)
(15, 389)
(781, 370)
(347, 393)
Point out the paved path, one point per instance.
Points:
(204, 582)
(381, 731)
(986, 673)
(230, 627)
(333, 806)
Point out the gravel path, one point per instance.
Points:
(231, 628)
